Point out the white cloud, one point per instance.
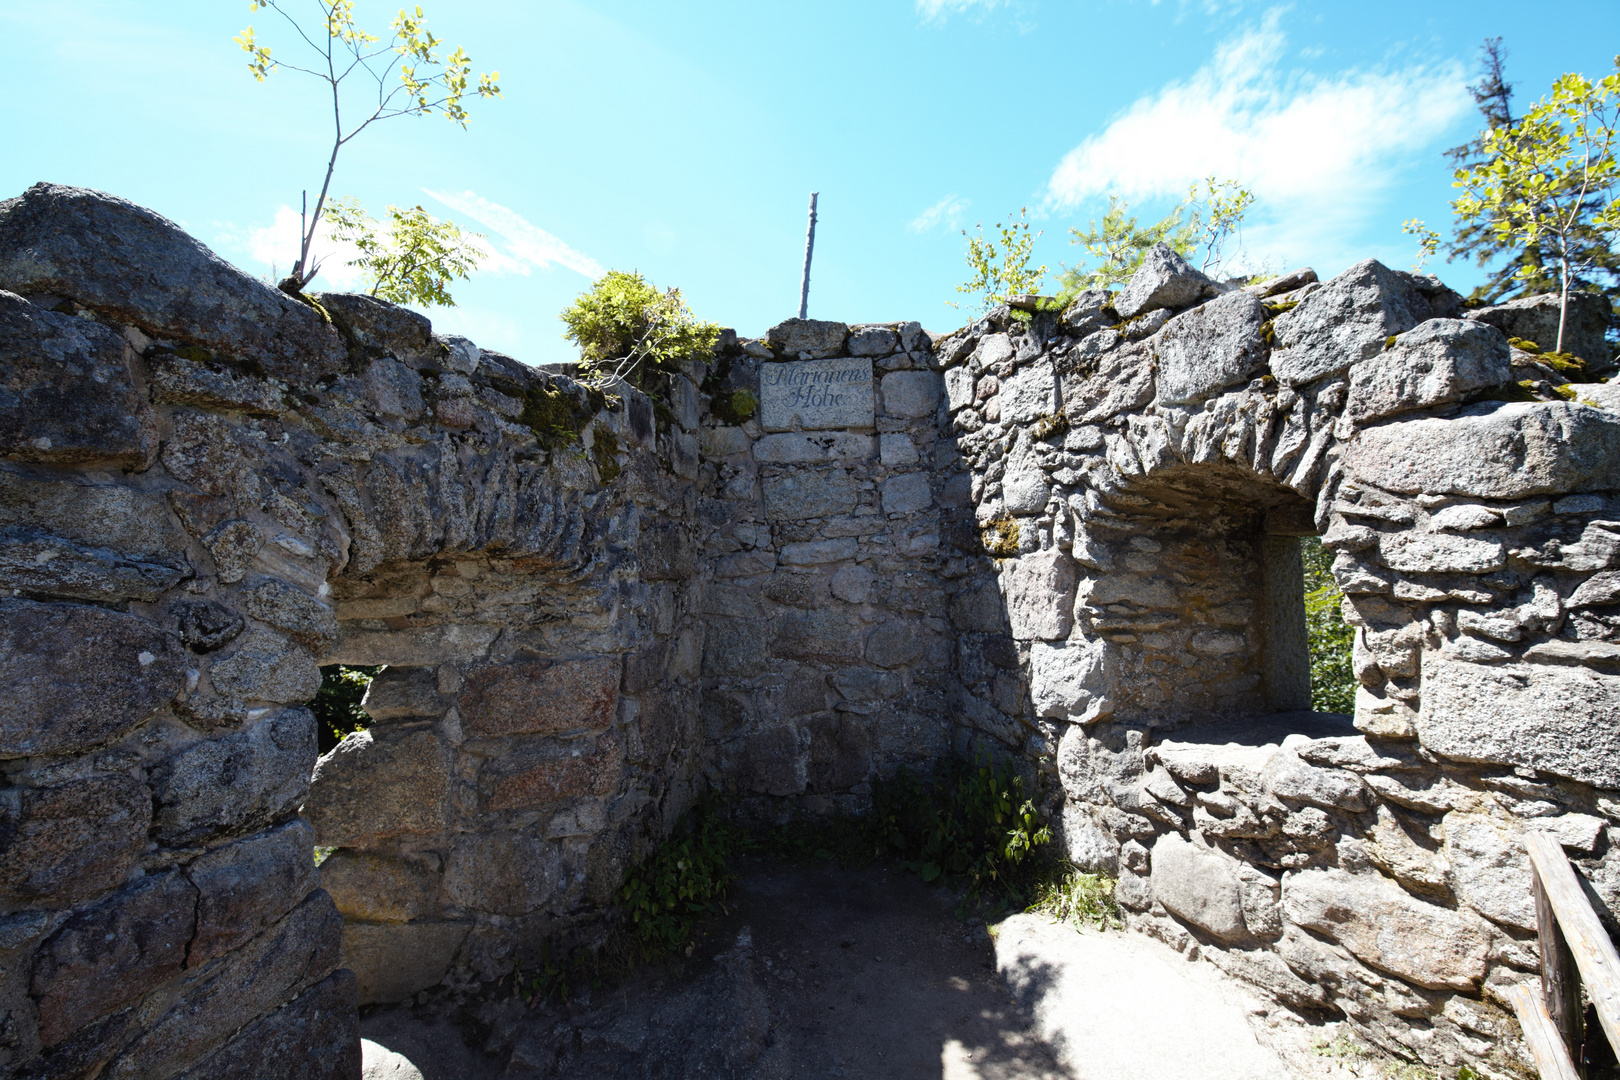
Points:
(938, 9)
(1320, 152)
(947, 212)
(527, 246)
(274, 247)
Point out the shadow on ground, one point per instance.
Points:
(818, 971)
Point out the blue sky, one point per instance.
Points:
(682, 139)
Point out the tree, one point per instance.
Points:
(1333, 680)
(1550, 180)
(1204, 221)
(1428, 241)
(428, 82)
(1527, 269)
(414, 260)
(995, 281)
(625, 328)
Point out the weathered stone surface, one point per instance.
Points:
(45, 566)
(391, 963)
(223, 996)
(205, 625)
(246, 886)
(1494, 451)
(1164, 280)
(121, 519)
(1387, 929)
(1205, 350)
(666, 552)
(1025, 488)
(236, 782)
(289, 608)
(770, 762)
(124, 261)
(502, 873)
(377, 328)
(1490, 870)
(108, 955)
(1287, 777)
(810, 494)
(536, 697)
(1345, 322)
(67, 842)
(1072, 681)
(1535, 318)
(1199, 886)
(895, 644)
(817, 337)
(907, 493)
(1441, 554)
(1113, 382)
(1040, 595)
(1436, 362)
(400, 692)
(66, 393)
(911, 394)
(370, 788)
(177, 381)
(872, 341)
(265, 666)
(1533, 715)
(316, 1036)
(549, 772)
(74, 676)
(813, 447)
(455, 642)
(368, 887)
(1029, 394)
(816, 394)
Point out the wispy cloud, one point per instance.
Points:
(519, 245)
(947, 212)
(1320, 152)
(938, 9)
(274, 248)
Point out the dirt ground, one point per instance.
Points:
(817, 972)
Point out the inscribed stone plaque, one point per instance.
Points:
(813, 394)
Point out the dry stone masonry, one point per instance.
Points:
(1069, 539)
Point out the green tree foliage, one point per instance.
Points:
(1204, 220)
(626, 329)
(1538, 191)
(337, 703)
(1333, 680)
(1000, 263)
(410, 73)
(1428, 241)
(412, 259)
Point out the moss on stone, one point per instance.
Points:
(1049, 426)
(1274, 310)
(736, 407)
(1000, 536)
(605, 453)
(557, 418)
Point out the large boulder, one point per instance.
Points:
(1346, 321)
(377, 328)
(1436, 362)
(1164, 280)
(1199, 886)
(136, 266)
(1493, 451)
(1535, 318)
(1210, 348)
(809, 339)
(66, 393)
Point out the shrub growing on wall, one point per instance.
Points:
(627, 329)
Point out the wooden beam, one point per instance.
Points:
(1546, 1046)
(1560, 978)
(1594, 953)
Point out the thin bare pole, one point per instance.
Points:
(809, 248)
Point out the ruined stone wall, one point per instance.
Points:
(1072, 540)
(209, 489)
(1146, 461)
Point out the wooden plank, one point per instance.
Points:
(1560, 978)
(1546, 1045)
(1594, 953)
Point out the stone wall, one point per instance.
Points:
(1070, 539)
(1146, 461)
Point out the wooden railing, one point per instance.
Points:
(1574, 949)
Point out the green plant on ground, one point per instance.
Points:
(337, 703)
(1070, 895)
(1333, 680)
(968, 824)
(412, 259)
(627, 329)
(685, 879)
(1001, 271)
